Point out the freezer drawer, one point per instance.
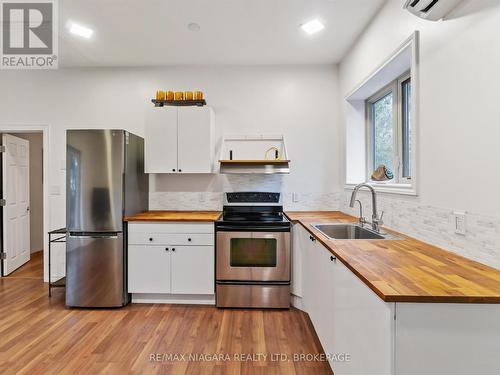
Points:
(95, 270)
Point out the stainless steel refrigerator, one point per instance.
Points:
(105, 181)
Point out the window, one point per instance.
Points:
(389, 130)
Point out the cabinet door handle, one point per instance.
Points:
(312, 238)
(173, 169)
(333, 259)
(189, 239)
(180, 170)
(150, 239)
(173, 249)
(166, 249)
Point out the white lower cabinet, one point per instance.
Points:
(192, 270)
(353, 325)
(447, 338)
(366, 335)
(362, 327)
(300, 242)
(318, 292)
(148, 269)
(162, 262)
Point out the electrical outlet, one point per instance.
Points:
(295, 197)
(460, 223)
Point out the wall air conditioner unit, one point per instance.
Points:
(432, 10)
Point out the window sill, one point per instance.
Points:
(389, 188)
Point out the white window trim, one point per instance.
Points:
(390, 187)
(404, 180)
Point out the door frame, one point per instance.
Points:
(45, 130)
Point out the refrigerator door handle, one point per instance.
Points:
(106, 237)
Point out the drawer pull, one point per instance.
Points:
(189, 239)
(150, 239)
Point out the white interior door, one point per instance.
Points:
(16, 215)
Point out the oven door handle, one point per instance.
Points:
(230, 228)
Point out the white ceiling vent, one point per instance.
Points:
(432, 10)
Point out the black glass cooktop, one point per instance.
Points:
(253, 209)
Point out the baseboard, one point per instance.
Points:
(296, 302)
(176, 299)
(54, 278)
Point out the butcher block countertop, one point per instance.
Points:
(175, 216)
(407, 270)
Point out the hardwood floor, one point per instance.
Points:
(39, 335)
(31, 270)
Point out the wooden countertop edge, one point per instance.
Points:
(189, 216)
(399, 298)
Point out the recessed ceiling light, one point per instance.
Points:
(80, 30)
(312, 26)
(193, 26)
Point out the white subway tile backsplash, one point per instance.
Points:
(185, 201)
(435, 225)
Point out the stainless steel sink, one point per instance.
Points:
(352, 232)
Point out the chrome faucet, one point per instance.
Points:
(376, 220)
(362, 220)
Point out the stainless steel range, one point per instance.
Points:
(253, 252)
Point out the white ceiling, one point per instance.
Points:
(154, 32)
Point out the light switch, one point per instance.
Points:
(460, 223)
(295, 197)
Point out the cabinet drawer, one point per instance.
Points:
(138, 238)
(171, 227)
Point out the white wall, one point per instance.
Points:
(459, 133)
(299, 102)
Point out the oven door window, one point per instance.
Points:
(253, 252)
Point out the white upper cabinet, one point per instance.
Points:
(161, 140)
(195, 140)
(180, 140)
